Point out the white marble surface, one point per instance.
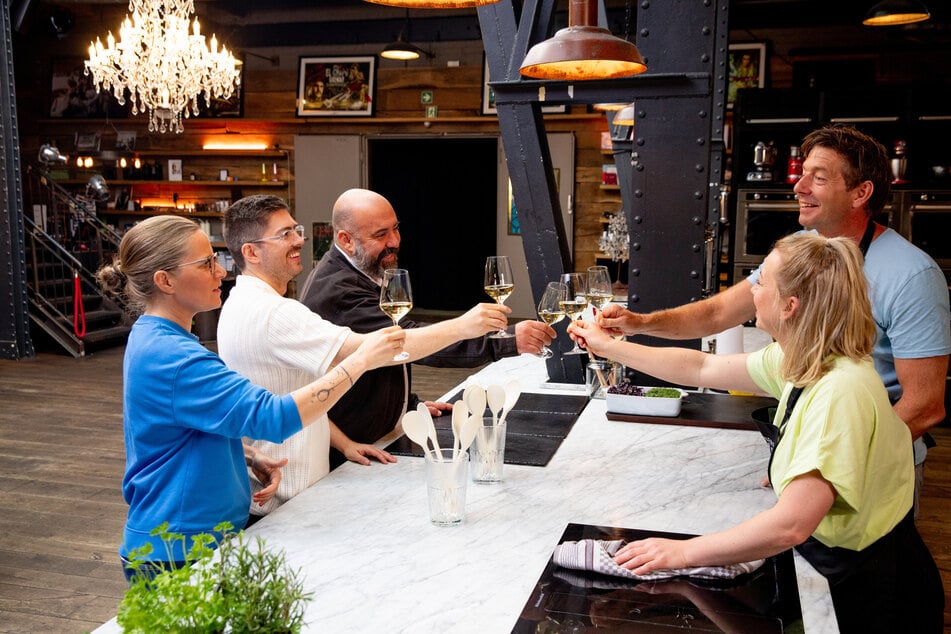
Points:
(375, 564)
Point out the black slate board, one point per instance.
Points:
(764, 601)
(537, 425)
(708, 410)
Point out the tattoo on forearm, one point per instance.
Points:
(334, 378)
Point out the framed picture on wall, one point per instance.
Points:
(747, 64)
(336, 86)
(73, 94)
(488, 96)
(219, 107)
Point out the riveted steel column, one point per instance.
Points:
(15, 339)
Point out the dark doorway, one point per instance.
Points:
(444, 193)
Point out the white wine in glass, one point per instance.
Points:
(575, 302)
(598, 290)
(396, 299)
(550, 310)
(499, 284)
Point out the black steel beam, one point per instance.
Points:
(669, 171)
(15, 341)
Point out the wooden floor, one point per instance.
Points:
(61, 464)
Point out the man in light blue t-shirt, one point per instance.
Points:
(838, 196)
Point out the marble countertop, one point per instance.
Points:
(363, 541)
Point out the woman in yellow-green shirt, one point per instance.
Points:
(841, 461)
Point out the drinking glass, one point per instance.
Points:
(499, 284)
(550, 310)
(396, 299)
(598, 290)
(575, 302)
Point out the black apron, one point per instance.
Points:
(893, 585)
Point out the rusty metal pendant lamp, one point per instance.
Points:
(583, 50)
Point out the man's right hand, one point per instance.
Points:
(482, 319)
(617, 320)
(380, 346)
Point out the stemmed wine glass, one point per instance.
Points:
(550, 310)
(499, 284)
(575, 302)
(598, 290)
(396, 299)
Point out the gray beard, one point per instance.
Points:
(373, 267)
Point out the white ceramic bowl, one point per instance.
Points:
(643, 405)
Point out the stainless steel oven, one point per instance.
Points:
(927, 223)
(766, 215)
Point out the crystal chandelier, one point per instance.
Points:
(164, 68)
(615, 241)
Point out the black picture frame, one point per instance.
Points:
(747, 64)
(74, 95)
(336, 86)
(219, 108)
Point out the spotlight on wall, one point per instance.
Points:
(49, 154)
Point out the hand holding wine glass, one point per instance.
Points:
(575, 302)
(550, 310)
(396, 299)
(499, 284)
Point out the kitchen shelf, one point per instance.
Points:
(181, 183)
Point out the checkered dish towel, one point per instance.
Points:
(597, 555)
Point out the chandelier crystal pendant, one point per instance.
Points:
(163, 64)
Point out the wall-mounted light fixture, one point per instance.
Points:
(49, 154)
(583, 50)
(895, 12)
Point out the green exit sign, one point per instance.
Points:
(426, 96)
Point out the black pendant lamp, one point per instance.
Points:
(896, 12)
(583, 50)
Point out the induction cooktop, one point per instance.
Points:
(764, 601)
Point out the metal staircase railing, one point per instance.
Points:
(65, 300)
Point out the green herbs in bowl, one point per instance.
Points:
(625, 398)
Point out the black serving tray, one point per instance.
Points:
(537, 425)
(762, 602)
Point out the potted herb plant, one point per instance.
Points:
(244, 587)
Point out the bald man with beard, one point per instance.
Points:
(344, 288)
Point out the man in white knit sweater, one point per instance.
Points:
(280, 344)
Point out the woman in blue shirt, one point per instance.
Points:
(184, 411)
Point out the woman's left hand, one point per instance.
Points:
(647, 555)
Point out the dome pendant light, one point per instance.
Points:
(583, 50)
(895, 12)
(401, 49)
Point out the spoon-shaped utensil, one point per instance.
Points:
(512, 391)
(495, 397)
(415, 429)
(460, 412)
(430, 426)
(469, 430)
(475, 400)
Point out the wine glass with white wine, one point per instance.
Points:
(550, 310)
(396, 299)
(499, 284)
(598, 289)
(576, 301)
